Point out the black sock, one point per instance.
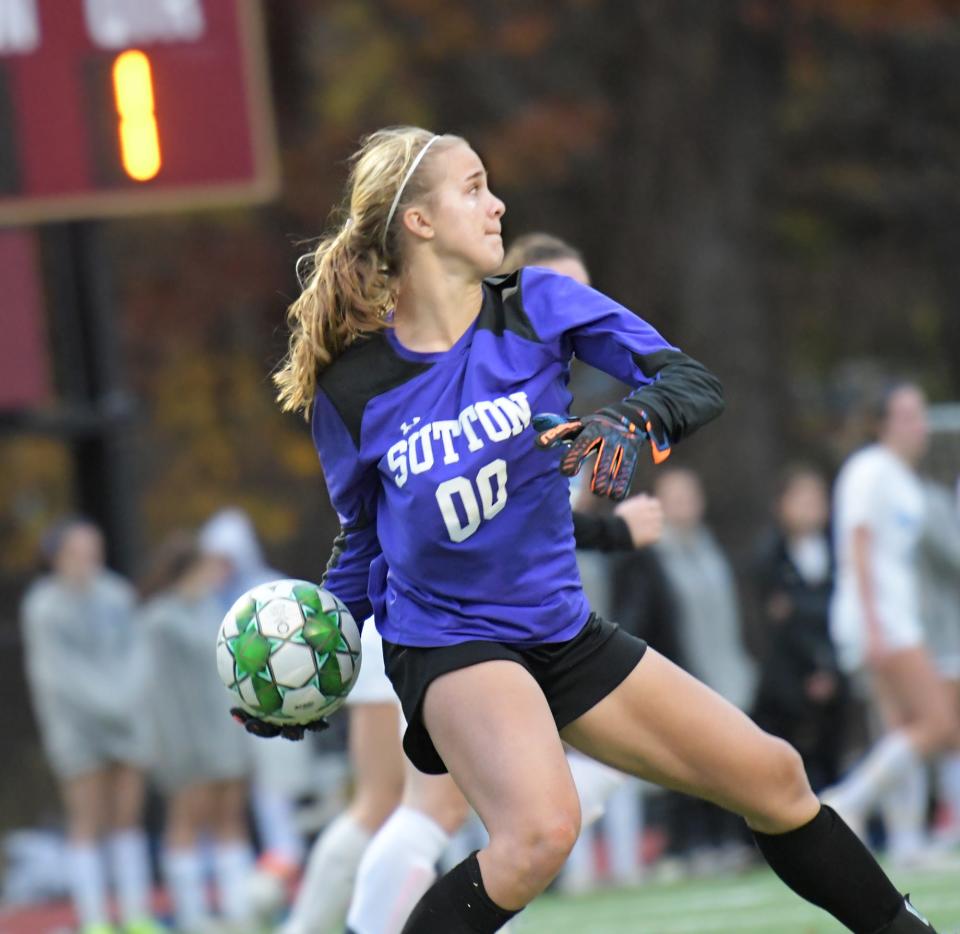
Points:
(457, 903)
(826, 863)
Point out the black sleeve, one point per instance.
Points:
(601, 533)
(683, 396)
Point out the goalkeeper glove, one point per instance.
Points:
(616, 433)
(262, 728)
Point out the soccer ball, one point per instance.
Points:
(290, 652)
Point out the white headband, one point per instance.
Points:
(403, 184)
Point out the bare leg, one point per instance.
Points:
(663, 725)
(513, 771)
(377, 760)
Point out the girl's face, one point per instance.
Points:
(804, 505)
(906, 428)
(80, 556)
(461, 214)
(681, 496)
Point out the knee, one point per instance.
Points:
(535, 851)
(786, 801)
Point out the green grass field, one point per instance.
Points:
(750, 903)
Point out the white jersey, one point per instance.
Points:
(877, 490)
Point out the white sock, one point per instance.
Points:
(595, 783)
(327, 883)
(183, 872)
(87, 882)
(622, 826)
(130, 865)
(905, 813)
(948, 782)
(886, 762)
(399, 866)
(232, 868)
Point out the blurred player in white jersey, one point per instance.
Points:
(876, 622)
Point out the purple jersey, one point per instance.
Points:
(454, 525)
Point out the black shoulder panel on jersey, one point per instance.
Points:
(503, 307)
(369, 367)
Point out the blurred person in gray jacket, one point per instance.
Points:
(201, 763)
(708, 631)
(84, 664)
(705, 592)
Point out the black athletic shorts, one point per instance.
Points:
(573, 675)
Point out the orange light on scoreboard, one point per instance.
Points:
(138, 133)
(113, 107)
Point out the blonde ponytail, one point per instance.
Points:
(348, 283)
(345, 293)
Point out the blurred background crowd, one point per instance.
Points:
(772, 183)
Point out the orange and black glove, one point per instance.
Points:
(616, 434)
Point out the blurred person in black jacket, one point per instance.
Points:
(803, 694)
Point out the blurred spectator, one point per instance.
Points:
(230, 539)
(201, 763)
(84, 667)
(876, 624)
(939, 576)
(711, 647)
(704, 590)
(802, 694)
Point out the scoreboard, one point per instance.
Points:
(120, 106)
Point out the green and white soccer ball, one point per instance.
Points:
(289, 651)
